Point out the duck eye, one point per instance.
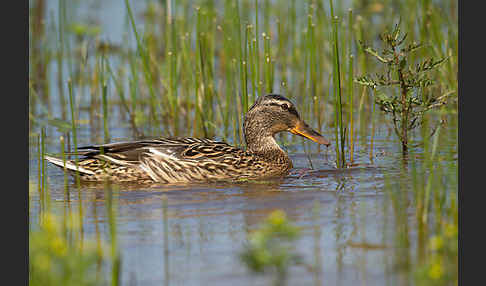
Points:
(285, 106)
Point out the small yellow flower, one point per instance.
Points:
(42, 261)
(58, 246)
(277, 218)
(436, 270)
(450, 230)
(436, 243)
(50, 223)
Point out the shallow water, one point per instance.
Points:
(208, 223)
(350, 239)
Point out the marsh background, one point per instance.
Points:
(102, 71)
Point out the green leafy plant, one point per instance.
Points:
(270, 248)
(56, 260)
(408, 107)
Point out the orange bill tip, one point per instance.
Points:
(302, 129)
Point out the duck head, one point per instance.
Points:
(271, 114)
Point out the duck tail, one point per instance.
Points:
(69, 165)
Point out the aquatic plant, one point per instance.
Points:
(408, 107)
(270, 248)
(111, 211)
(56, 260)
(339, 126)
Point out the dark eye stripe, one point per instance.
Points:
(290, 109)
(293, 111)
(274, 104)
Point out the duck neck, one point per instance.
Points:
(265, 145)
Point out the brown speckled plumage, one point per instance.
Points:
(185, 160)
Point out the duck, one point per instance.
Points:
(191, 160)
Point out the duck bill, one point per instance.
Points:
(302, 129)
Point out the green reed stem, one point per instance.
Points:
(350, 85)
(60, 57)
(133, 82)
(63, 24)
(313, 67)
(111, 209)
(350, 107)
(257, 52)
(105, 112)
(242, 56)
(428, 187)
(251, 61)
(172, 55)
(199, 107)
(340, 155)
(104, 92)
(66, 191)
(146, 68)
(204, 45)
(81, 218)
(282, 45)
(124, 104)
(43, 151)
(372, 135)
(237, 129)
(99, 248)
(39, 170)
(66, 188)
(268, 64)
(312, 55)
(46, 197)
(266, 15)
(200, 104)
(73, 127)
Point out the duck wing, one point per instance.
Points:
(176, 159)
(183, 149)
(172, 160)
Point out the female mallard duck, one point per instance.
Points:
(185, 160)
